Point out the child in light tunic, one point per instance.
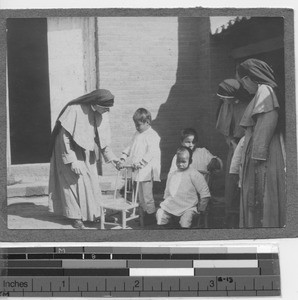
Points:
(181, 193)
(143, 153)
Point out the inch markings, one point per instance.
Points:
(139, 272)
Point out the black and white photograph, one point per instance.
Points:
(146, 122)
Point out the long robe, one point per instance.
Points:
(228, 121)
(71, 195)
(263, 163)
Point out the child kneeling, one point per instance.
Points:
(181, 193)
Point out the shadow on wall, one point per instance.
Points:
(189, 103)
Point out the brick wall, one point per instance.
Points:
(160, 63)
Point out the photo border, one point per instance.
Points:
(58, 235)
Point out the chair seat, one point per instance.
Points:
(118, 204)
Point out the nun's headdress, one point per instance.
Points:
(81, 122)
(231, 88)
(258, 71)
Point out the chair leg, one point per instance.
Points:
(141, 214)
(102, 218)
(206, 221)
(198, 221)
(123, 219)
(133, 212)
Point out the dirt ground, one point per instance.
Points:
(32, 213)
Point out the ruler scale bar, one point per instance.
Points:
(139, 272)
(96, 255)
(34, 264)
(153, 283)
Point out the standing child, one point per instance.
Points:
(181, 193)
(144, 154)
(202, 160)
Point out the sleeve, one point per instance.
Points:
(152, 148)
(200, 184)
(203, 204)
(166, 192)
(68, 153)
(266, 100)
(220, 162)
(263, 132)
(126, 152)
(108, 154)
(173, 164)
(236, 159)
(209, 156)
(202, 189)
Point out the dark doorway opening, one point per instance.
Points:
(28, 90)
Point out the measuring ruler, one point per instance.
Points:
(139, 271)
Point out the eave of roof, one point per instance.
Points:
(227, 26)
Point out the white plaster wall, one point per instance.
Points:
(71, 60)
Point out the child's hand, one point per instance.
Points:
(213, 165)
(120, 164)
(75, 167)
(137, 166)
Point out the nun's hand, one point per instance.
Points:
(115, 163)
(75, 167)
(120, 164)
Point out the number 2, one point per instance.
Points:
(137, 283)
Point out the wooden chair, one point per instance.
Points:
(127, 204)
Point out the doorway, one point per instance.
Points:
(28, 90)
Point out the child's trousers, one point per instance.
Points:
(163, 217)
(146, 196)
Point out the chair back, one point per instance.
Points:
(129, 187)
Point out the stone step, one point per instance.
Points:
(40, 187)
(27, 189)
(41, 171)
(29, 172)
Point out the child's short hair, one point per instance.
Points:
(142, 115)
(187, 132)
(183, 149)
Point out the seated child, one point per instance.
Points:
(181, 193)
(143, 153)
(202, 160)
